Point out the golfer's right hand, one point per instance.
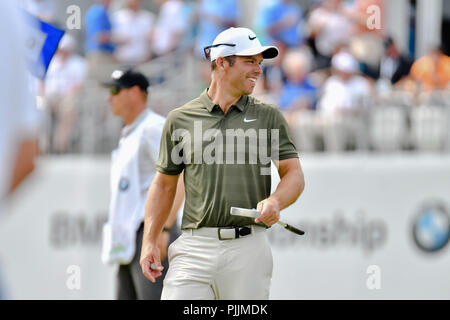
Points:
(150, 257)
(163, 244)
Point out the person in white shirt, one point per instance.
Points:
(63, 83)
(343, 91)
(133, 168)
(330, 28)
(170, 27)
(340, 102)
(132, 29)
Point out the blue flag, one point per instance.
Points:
(42, 40)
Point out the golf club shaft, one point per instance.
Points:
(291, 228)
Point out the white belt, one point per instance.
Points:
(225, 233)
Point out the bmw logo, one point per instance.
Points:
(124, 184)
(431, 227)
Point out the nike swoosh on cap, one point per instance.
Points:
(252, 38)
(249, 120)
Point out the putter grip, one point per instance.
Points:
(294, 229)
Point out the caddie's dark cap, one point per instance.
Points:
(127, 79)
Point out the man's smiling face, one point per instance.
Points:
(244, 73)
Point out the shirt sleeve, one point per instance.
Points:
(169, 160)
(281, 139)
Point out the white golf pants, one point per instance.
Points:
(202, 267)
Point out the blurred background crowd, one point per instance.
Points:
(358, 75)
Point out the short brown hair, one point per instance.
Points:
(230, 59)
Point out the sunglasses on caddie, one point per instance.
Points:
(114, 91)
(207, 50)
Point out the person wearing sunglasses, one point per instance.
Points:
(218, 255)
(132, 170)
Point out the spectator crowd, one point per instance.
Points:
(332, 68)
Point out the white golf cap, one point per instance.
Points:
(239, 42)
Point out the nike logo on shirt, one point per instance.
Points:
(249, 120)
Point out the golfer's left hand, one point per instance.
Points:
(269, 212)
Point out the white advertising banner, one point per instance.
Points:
(51, 237)
(377, 227)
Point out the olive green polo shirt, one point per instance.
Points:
(225, 157)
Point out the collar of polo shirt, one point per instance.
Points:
(242, 102)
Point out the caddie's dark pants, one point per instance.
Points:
(131, 282)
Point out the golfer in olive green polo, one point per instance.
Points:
(224, 141)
